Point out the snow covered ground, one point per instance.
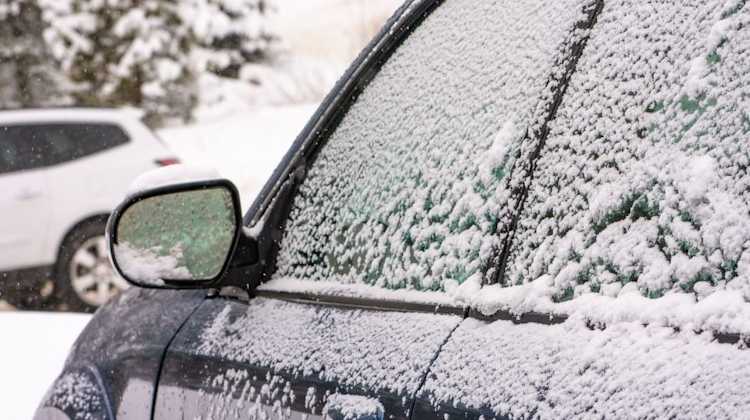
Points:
(32, 354)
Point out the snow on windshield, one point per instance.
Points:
(408, 191)
(643, 184)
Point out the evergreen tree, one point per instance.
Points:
(228, 33)
(150, 53)
(126, 52)
(29, 76)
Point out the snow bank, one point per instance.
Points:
(32, 354)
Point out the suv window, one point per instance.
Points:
(31, 146)
(644, 180)
(408, 190)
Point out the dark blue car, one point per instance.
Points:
(505, 209)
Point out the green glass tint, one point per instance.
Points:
(179, 236)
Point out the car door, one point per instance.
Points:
(401, 192)
(24, 202)
(88, 149)
(625, 292)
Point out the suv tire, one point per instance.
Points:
(84, 277)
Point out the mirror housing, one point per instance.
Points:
(181, 235)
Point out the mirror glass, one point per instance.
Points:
(181, 236)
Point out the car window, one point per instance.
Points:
(643, 183)
(38, 145)
(20, 151)
(409, 188)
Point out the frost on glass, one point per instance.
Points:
(179, 236)
(409, 190)
(644, 179)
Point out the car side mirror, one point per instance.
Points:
(176, 236)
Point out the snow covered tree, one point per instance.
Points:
(126, 52)
(228, 33)
(28, 74)
(150, 53)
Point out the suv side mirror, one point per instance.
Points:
(180, 235)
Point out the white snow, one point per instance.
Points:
(172, 174)
(352, 407)
(29, 369)
(638, 214)
(569, 371)
(644, 178)
(381, 352)
(638, 211)
(329, 288)
(150, 266)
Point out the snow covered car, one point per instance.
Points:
(505, 209)
(62, 171)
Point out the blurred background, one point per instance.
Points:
(94, 92)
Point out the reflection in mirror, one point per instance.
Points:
(182, 236)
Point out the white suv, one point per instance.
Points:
(61, 173)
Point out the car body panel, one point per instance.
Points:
(272, 357)
(502, 369)
(25, 204)
(123, 346)
(74, 392)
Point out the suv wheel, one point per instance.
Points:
(84, 277)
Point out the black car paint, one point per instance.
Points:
(194, 384)
(121, 350)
